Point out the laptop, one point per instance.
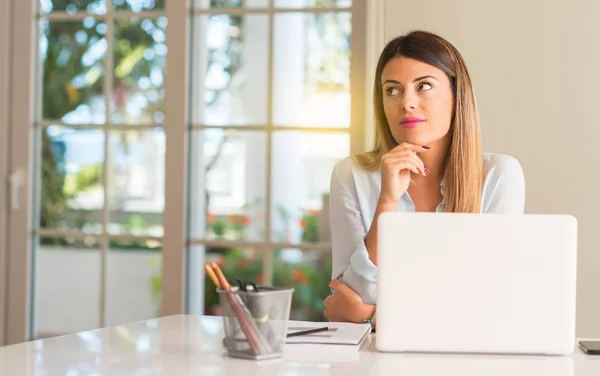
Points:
(476, 283)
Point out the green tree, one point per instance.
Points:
(72, 74)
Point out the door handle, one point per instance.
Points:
(16, 180)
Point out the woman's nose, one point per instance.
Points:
(409, 102)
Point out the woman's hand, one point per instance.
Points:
(345, 304)
(396, 167)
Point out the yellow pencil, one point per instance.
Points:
(212, 275)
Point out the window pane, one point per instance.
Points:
(72, 6)
(72, 54)
(204, 4)
(136, 182)
(230, 70)
(139, 65)
(309, 273)
(139, 5)
(133, 281)
(67, 286)
(227, 184)
(301, 173)
(244, 263)
(72, 194)
(312, 3)
(311, 75)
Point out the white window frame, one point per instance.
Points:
(357, 117)
(176, 120)
(20, 140)
(16, 130)
(4, 107)
(375, 41)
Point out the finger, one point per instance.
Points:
(340, 287)
(326, 301)
(419, 162)
(336, 283)
(413, 147)
(414, 158)
(398, 153)
(407, 163)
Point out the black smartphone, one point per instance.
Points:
(590, 347)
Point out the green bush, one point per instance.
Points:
(310, 282)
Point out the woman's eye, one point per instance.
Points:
(391, 91)
(425, 86)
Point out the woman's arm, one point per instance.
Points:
(371, 240)
(345, 305)
(351, 261)
(354, 237)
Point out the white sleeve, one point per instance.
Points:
(508, 196)
(351, 262)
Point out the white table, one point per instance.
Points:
(191, 345)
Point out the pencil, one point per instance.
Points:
(220, 276)
(258, 344)
(211, 273)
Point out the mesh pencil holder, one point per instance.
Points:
(255, 322)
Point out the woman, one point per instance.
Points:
(427, 157)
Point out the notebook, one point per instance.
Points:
(341, 337)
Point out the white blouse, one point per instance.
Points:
(353, 199)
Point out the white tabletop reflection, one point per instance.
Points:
(192, 345)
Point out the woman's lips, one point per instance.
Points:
(411, 123)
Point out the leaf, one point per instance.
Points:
(127, 64)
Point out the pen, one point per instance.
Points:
(309, 331)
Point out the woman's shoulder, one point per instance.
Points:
(504, 185)
(349, 173)
(500, 162)
(349, 167)
(500, 167)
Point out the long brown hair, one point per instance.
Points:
(463, 172)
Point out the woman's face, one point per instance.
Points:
(417, 100)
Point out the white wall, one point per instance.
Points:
(535, 65)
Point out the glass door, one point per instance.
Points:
(91, 124)
(100, 163)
